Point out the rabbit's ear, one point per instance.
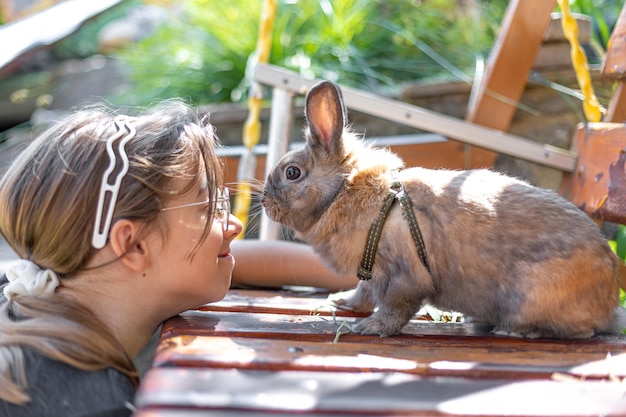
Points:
(325, 115)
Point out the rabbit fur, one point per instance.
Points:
(501, 251)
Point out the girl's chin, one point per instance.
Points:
(225, 269)
(226, 261)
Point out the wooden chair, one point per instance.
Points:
(598, 185)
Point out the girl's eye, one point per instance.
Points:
(292, 173)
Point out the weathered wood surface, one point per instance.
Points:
(377, 393)
(265, 352)
(598, 186)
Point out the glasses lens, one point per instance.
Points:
(223, 207)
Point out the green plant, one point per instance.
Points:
(203, 53)
(84, 42)
(200, 55)
(604, 14)
(618, 244)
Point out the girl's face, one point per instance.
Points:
(205, 277)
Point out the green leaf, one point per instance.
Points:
(620, 242)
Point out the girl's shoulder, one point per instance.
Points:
(58, 389)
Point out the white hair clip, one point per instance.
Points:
(108, 189)
(25, 277)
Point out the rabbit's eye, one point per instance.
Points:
(292, 173)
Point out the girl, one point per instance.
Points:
(119, 223)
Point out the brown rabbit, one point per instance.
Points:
(496, 249)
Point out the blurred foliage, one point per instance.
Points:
(84, 43)
(202, 54)
(604, 14)
(618, 244)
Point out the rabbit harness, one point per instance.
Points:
(395, 192)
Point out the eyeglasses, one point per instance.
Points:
(222, 207)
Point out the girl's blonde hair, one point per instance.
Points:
(48, 204)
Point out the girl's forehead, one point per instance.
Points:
(198, 186)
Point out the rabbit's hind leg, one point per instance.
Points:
(538, 333)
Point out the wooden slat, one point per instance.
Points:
(314, 328)
(427, 120)
(277, 302)
(293, 315)
(468, 362)
(166, 411)
(307, 327)
(449, 154)
(375, 393)
(521, 35)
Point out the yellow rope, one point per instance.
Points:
(252, 125)
(591, 106)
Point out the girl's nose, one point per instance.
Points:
(234, 227)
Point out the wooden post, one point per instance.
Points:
(598, 186)
(512, 57)
(614, 68)
(278, 144)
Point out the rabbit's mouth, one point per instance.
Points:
(271, 209)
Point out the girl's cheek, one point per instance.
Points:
(191, 224)
(216, 234)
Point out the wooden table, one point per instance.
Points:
(260, 353)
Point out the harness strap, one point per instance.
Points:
(396, 192)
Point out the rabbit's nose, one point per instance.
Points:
(264, 197)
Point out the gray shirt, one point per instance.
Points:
(58, 389)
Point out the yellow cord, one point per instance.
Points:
(252, 125)
(591, 106)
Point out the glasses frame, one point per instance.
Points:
(222, 207)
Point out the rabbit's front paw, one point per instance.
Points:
(351, 300)
(375, 325)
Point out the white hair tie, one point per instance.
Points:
(25, 277)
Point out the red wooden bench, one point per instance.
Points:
(271, 352)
